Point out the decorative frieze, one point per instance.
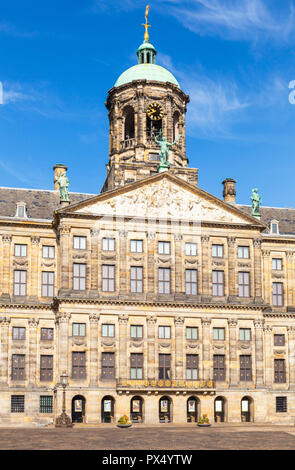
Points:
(6, 238)
(123, 319)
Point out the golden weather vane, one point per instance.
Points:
(146, 25)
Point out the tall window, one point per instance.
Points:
(164, 280)
(46, 368)
(48, 251)
(164, 248)
(128, 123)
(277, 294)
(108, 278)
(46, 334)
(20, 250)
(245, 334)
(217, 283)
(20, 282)
(244, 284)
(136, 246)
(280, 371)
(191, 282)
(136, 331)
(78, 365)
(217, 251)
(192, 366)
(136, 366)
(164, 366)
(219, 367)
(107, 330)
(281, 404)
(108, 366)
(277, 264)
(46, 404)
(18, 333)
(47, 284)
(245, 368)
(79, 329)
(191, 332)
(191, 249)
(243, 252)
(136, 279)
(108, 244)
(279, 340)
(79, 276)
(79, 243)
(219, 333)
(18, 367)
(17, 404)
(164, 332)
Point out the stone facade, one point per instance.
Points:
(157, 299)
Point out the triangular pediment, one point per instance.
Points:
(162, 196)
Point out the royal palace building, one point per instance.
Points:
(154, 298)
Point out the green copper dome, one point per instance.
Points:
(146, 72)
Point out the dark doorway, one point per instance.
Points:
(136, 410)
(78, 409)
(192, 410)
(107, 409)
(165, 410)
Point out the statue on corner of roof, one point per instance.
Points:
(256, 201)
(164, 151)
(63, 183)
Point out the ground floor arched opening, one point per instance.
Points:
(165, 410)
(247, 406)
(107, 409)
(136, 409)
(78, 409)
(220, 410)
(192, 409)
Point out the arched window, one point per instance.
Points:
(175, 125)
(128, 123)
(153, 127)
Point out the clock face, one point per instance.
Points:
(155, 111)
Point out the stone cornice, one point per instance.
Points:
(25, 306)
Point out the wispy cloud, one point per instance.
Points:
(11, 30)
(16, 174)
(235, 19)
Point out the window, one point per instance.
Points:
(47, 284)
(243, 252)
(218, 283)
(48, 251)
(46, 334)
(17, 403)
(20, 282)
(277, 294)
(191, 284)
(108, 366)
(218, 367)
(20, 250)
(164, 248)
(78, 365)
(107, 330)
(192, 332)
(79, 243)
(136, 246)
(108, 244)
(79, 276)
(245, 368)
(21, 209)
(279, 340)
(245, 334)
(136, 279)
(18, 367)
(217, 251)
(280, 371)
(164, 366)
(136, 366)
(46, 404)
(274, 227)
(244, 284)
(136, 331)
(164, 332)
(192, 366)
(164, 280)
(219, 333)
(277, 264)
(281, 404)
(108, 278)
(79, 329)
(46, 368)
(191, 249)
(18, 332)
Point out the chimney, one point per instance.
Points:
(229, 191)
(58, 169)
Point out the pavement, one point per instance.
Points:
(223, 436)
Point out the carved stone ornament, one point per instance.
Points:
(192, 346)
(164, 260)
(65, 229)
(151, 235)
(50, 264)
(231, 241)
(179, 321)
(232, 322)
(244, 265)
(94, 232)
(151, 319)
(20, 263)
(5, 321)
(123, 233)
(291, 330)
(6, 238)
(245, 346)
(93, 318)
(258, 324)
(164, 345)
(177, 236)
(278, 276)
(205, 238)
(35, 240)
(265, 253)
(63, 317)
(82, 256)
(33, 322)
(108, 344)
(290, 254)
(108, 257)
(123, 319)
(135, 344)
(257, 242)
(267, 329)
(206, 321)
(191, 261)
(79, 343)
(218, 263)
(279, 353)
(219, 346)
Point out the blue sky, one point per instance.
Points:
(234, 58)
